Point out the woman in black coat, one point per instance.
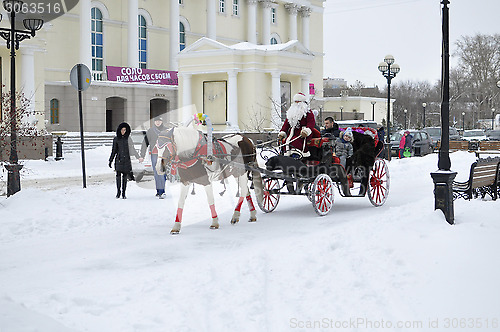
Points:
(122, 149)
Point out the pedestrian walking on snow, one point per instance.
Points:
(123, 147)
(150, 140)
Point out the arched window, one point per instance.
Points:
(274, 41)
(97, 43)
(54, 111)
(143, 45)
(182, 36)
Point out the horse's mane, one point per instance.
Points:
(186, 140)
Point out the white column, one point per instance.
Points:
(174, 33)
(305, 12)
(186, 97)
(292, 10)
(304, 83)
(266, 22)
(133, 33)
(28, 80)
(85, 34)
(232, 100)
(276, 97)
(211, 20)
(252, 21)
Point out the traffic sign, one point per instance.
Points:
(80, 77)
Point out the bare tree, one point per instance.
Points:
(479, 70)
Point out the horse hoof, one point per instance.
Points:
(252, 219)
(234, 221)
(214, 227)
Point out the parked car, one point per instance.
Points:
(435, 134)
(357, 123)
(422, 143)
(145, 168)
(493, 135)
(474, 135)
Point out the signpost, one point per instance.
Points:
(80, 79)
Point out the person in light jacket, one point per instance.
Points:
(150, 140)
(343, 146)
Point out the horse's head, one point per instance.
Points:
(166, 150)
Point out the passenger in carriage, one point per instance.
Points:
(331, 128)
(343, 146)
(298, 127)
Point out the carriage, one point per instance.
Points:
(316, 176)
(200, 159)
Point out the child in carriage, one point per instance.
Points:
(343, 146)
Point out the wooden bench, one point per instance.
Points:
(488, 147)
(483, 179)
(456, 145)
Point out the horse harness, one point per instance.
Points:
(200, 153)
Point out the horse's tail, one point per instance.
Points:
(258, 184)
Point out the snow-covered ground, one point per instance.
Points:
(75, 259)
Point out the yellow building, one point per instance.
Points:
(237, 60)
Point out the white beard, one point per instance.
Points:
(296, 112)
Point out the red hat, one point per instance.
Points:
(299, 97)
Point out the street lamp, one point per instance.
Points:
(423, 115)
(443, 178)
(463, 122)
(389, 70)
(13, 37)
(406, 111)
(341, 114)
(373, 110)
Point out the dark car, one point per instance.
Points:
(435, 135)
(493, 135)
(421, 143)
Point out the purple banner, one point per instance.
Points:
(135, 75)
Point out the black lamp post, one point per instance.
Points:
(405, 111)
(13, 37)
(423, 115)
(463, 122)
(443, 178)
(492, 119)
(341, 113)
(373, 110)
(389, 70)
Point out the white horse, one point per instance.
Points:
(186, 150)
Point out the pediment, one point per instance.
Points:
(204, 44)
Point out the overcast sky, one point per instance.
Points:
(359, 33)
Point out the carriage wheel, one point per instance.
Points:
(323, 196)
(378, 183)
(270, 199)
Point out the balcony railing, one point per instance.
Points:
(99, 76)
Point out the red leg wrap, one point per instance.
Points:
(212, 209)
(250, 203)
(238, 206)
(178, 217)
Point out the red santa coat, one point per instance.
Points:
(307, 123)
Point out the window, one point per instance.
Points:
(54, 111)
(235, 7)
(182, 36)
(181, 2)
(274, 41)
(97, 43)
(273, 15)
(222, 6)
(143, 45)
